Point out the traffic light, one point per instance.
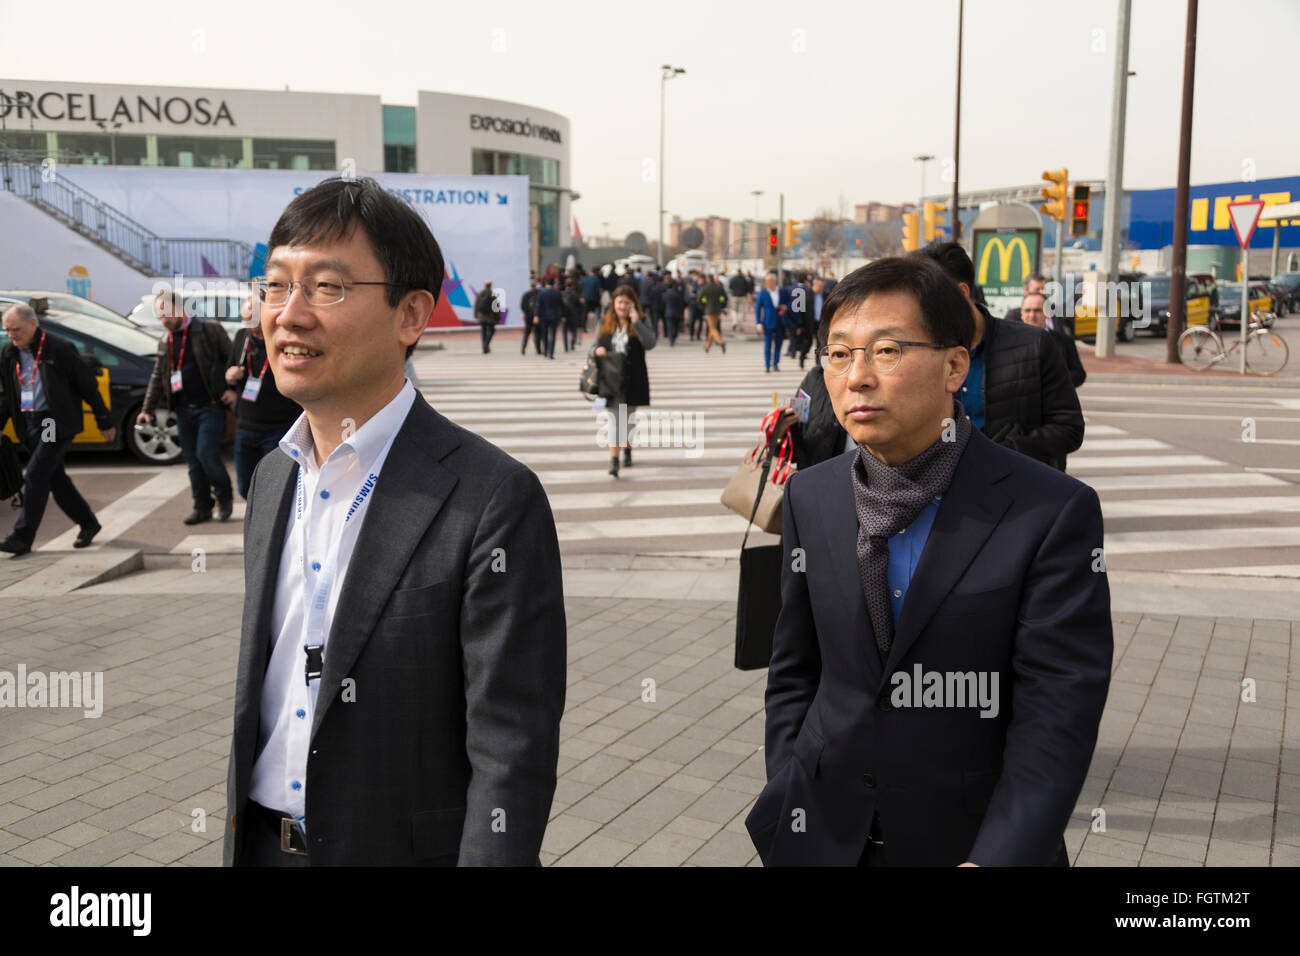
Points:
(1079, 210)
(934, 221)
(772, 239)
(1056, 194)
(910, 242)
(793, 234)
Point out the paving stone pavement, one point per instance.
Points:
(1186, 772)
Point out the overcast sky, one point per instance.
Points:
(825, 101)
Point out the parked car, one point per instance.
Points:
(1290, 281)
(1278, 295)
(220, 304)
(1261, 301)
(65, 301)
(1126, 308)
(1201, 299)
(122, 358)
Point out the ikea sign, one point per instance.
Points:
(1151, 214)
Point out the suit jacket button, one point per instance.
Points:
(882, 701)
(869, 779)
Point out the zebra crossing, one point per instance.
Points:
(1178, 492)
(1167, 506)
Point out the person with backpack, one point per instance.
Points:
(486, 315)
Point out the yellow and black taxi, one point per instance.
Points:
(122, 358)
(1261, 302)
(1154, 291)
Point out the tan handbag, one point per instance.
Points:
(757, 488)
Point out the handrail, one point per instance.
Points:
(133, 242)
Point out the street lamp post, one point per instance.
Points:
(666, 73)
(920, 206)
(755, 193)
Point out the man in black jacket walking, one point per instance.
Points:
(1017, 390)
(45, 382)
(189, 377)
(550, 310)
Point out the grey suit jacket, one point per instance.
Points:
(441, 747)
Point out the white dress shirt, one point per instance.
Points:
(318, 544)
(775, 296)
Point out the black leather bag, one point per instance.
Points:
(759, 599)
(11, 473)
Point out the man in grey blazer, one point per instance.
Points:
(402, 661)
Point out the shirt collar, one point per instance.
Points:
(366, 443)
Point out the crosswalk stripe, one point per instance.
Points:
(1222, 479)
(1086, 462)
(1201, 539)
(1200, 507)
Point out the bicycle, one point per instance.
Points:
(1200, 347)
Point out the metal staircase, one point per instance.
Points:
(114, 231)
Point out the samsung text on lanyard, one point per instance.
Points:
(314, 608)
(27, 393)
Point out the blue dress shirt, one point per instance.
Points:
(905, 553)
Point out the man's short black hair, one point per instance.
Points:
(944, 310)
(398, 235)
(953, 259)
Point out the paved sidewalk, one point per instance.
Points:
(1186, 772)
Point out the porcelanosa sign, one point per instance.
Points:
(87, 108)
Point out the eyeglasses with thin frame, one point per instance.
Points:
(320, 291)
(883, 355)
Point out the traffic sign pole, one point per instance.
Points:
(1245, 216)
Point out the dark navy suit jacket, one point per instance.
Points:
(1012, 582)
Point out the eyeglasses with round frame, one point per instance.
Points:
(883, 355)
(276, 293)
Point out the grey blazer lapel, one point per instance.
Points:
(411, 490)
(967, 516)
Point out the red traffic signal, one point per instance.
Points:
(772, 240)
(1081, 210)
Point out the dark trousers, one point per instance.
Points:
(697, 323)
(528, 330)
(486, 331)
(548, 335)
(45, 476)
(570, 333)
(251, 446)
(772, 339)
(201, 430)
(671, 325)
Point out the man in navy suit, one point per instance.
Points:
(550, 310)
(943, 651)
(772, 314)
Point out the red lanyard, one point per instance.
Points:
(784, 461)
(40, 350)
(181, 358)
(248, 359)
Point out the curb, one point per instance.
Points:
(1189, 381)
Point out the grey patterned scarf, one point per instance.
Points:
(888, 499)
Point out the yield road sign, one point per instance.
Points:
(1245, 215)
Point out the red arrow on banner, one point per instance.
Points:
(1245, 216)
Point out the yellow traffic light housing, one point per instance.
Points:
(910, 240)
(934, 221)
(793, 233)
(1056, 194)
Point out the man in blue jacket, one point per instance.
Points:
(773, 316)
(943, 652)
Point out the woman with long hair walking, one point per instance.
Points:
(621, 344)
